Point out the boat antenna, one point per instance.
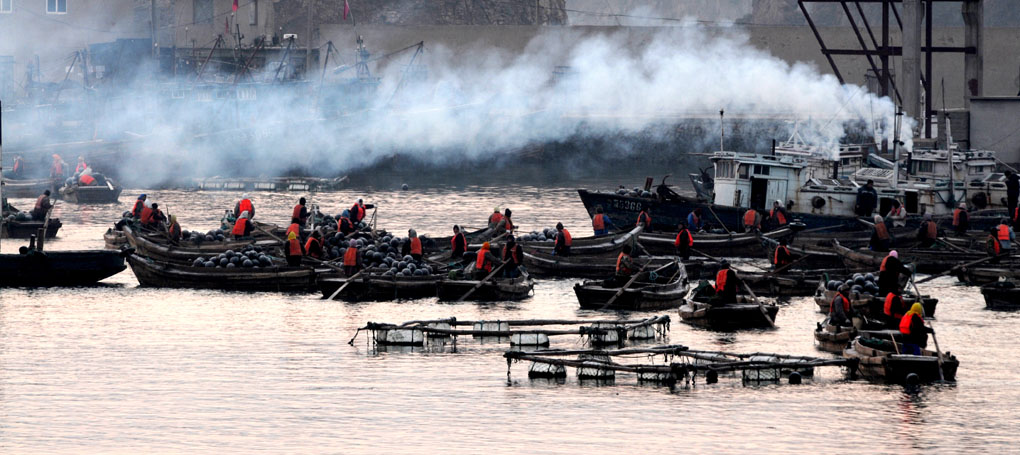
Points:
(722, 130)
(895, 147)
(951, 201)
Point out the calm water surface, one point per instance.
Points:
(118, 368)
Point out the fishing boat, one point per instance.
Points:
(980, 275)
(439, 247)
(28, 188)
(701, 311)
(59, 268)
(664, 293)
(548, 265)
(114, 239)
(868, 305)
(374, 287)
(590, 246)
(159, 248)
(1001, 295)
(787, 283)
(493, 290)
(879, 359)
(107, 193)
(161, 274)
(833, 338)
(931, 261)
(741, 245)
(808, 257)
(24, 229)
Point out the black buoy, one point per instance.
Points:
(404, 187)
(795, 378)
(711, 377)
(912, 379)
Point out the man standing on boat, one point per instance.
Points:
(300, 213)
(513, 256)
(840, 309)
(245, 205)
(889, 273)
(458, 243)
(752, 220)
(725, 284)
(563, 241)
(294, 250)
(881, 240)
(600, 223)
(42, 206)
(694, 220)
(352, 258)
(484, 261)
(1002, 238)
(778, 217)
(782, 256)
(927, 232)
(412, 246)
(645, 218)
(961, 219)
(19, 168)
(1012, 191)
(139, 206)
(684, 242)
(867, 199)
(495, 219)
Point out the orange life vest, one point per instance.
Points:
(351, 256)
(239, 226)
(246, 206)
(1003, 232)
(481, 263)
(308, 246)
(598, 222)
(778, 216)
(86, 180)
(881, 268)
(293, 246)
(175, 230)
(17, 165)
(458, 240)
(296, 214)
(512, 254)
(775, 256)
(881, 230)
(750, 217)
(146, 217)
(933, 230)
(956, 216)
(507, 224)
(891, 299)
(720, 280)
(58, 167)
(1016, 213)
(567, 240)
(295, 228)
(905, 324)
(995, 244)
(495, 218)
(80, 167)
(138, 208)
(846, 303)
(357, 212)
(643, 218)
(679, 238)
(895, 211)
(415, 245)
(620, 266)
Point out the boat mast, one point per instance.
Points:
(896, 149)
(949, 151)
(722, 131)
(1, 168)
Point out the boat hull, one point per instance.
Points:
(91, 194)
(887, 366)
(160, 274)
(499, 290)
(26, 229)
(59, 268)
(378, 288)
(728, 317)
(1000, 297)
(594, 296)
(28, 189)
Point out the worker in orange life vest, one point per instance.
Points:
(19, 168)
(42, 206)
(152, 217)
(496, 219)
(897, 216)
(881, 240)
(294, 249)
(894, 308)
(313, 247)
(889, 273)
(57, 168)
(458, 244)
(961, 219)
(245, 205)
(513, 256)
(726, 281)
(694, 221)
(485, 262)
(81, 165)
(344, 224)
(412, 246)
(563, 241)
(136, 211)
(359, 210)
(173, 230)
(927, 232)
(352, 258)
(913, 332)
(300, 213)
(1016, 219)
(839, 307)
(242, 227)
(782, 255)
(683, 242)
(778, 217)
(624, 266)
(600, 223)
(505, 224)
(1001, 238)
(645, 218)
(752, 220)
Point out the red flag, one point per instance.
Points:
(347, 9)
(234, 8)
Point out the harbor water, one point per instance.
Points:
(119, 368)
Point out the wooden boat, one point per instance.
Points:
(832, 338)
(161, 274)
(665, 293)
(160, 249)
(980, 275)
(378, 287)
(788, 283)
(588, 246)
(878, 361)
(742, 314)
(1001, 295)
(95, 194)
(931, 261)
(743, 245)
(29, 188)
(821, 257)
(114, 239)
(437, 245)
(25, 229)
(59, 268)
(869, 305)
(502, 289)
(547, 265)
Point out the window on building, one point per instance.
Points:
(760, 169)
(253, 13)
(56, 6)
(202, 11)
(6, 6)
(742, 171)
(924, 166)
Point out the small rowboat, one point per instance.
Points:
(160, 249)
(28, 188)
(833, 338)
(742, 314)
(986, 275)
(114, 239)
(869, 305)
(547, 265)
(742, 245)
(25, 229)
(663, 294)
(59, 268)
(93, 194)
(496, 290)
(821, 257)
(1002, 295)
(160, 274)
(588, 246)
(879, 361)
(785, 284)
(376, 287)
(931, 261)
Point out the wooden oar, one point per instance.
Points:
(720, 260)
(761, 307)
(957, 248)
(46, 226)
(480, 283)
(268, 233)
(624, 288)
(349, 281)
(709, 207)
(955, 268)
(938, 352)
(787, 266)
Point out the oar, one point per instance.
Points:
(776, 271)
(719, 220)
(624, 288)
(268, 233)
(938, 352)
(950, 245)
(760, 306)
(720, 260)
(341, 288)
(955, 268)
(480, 283)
